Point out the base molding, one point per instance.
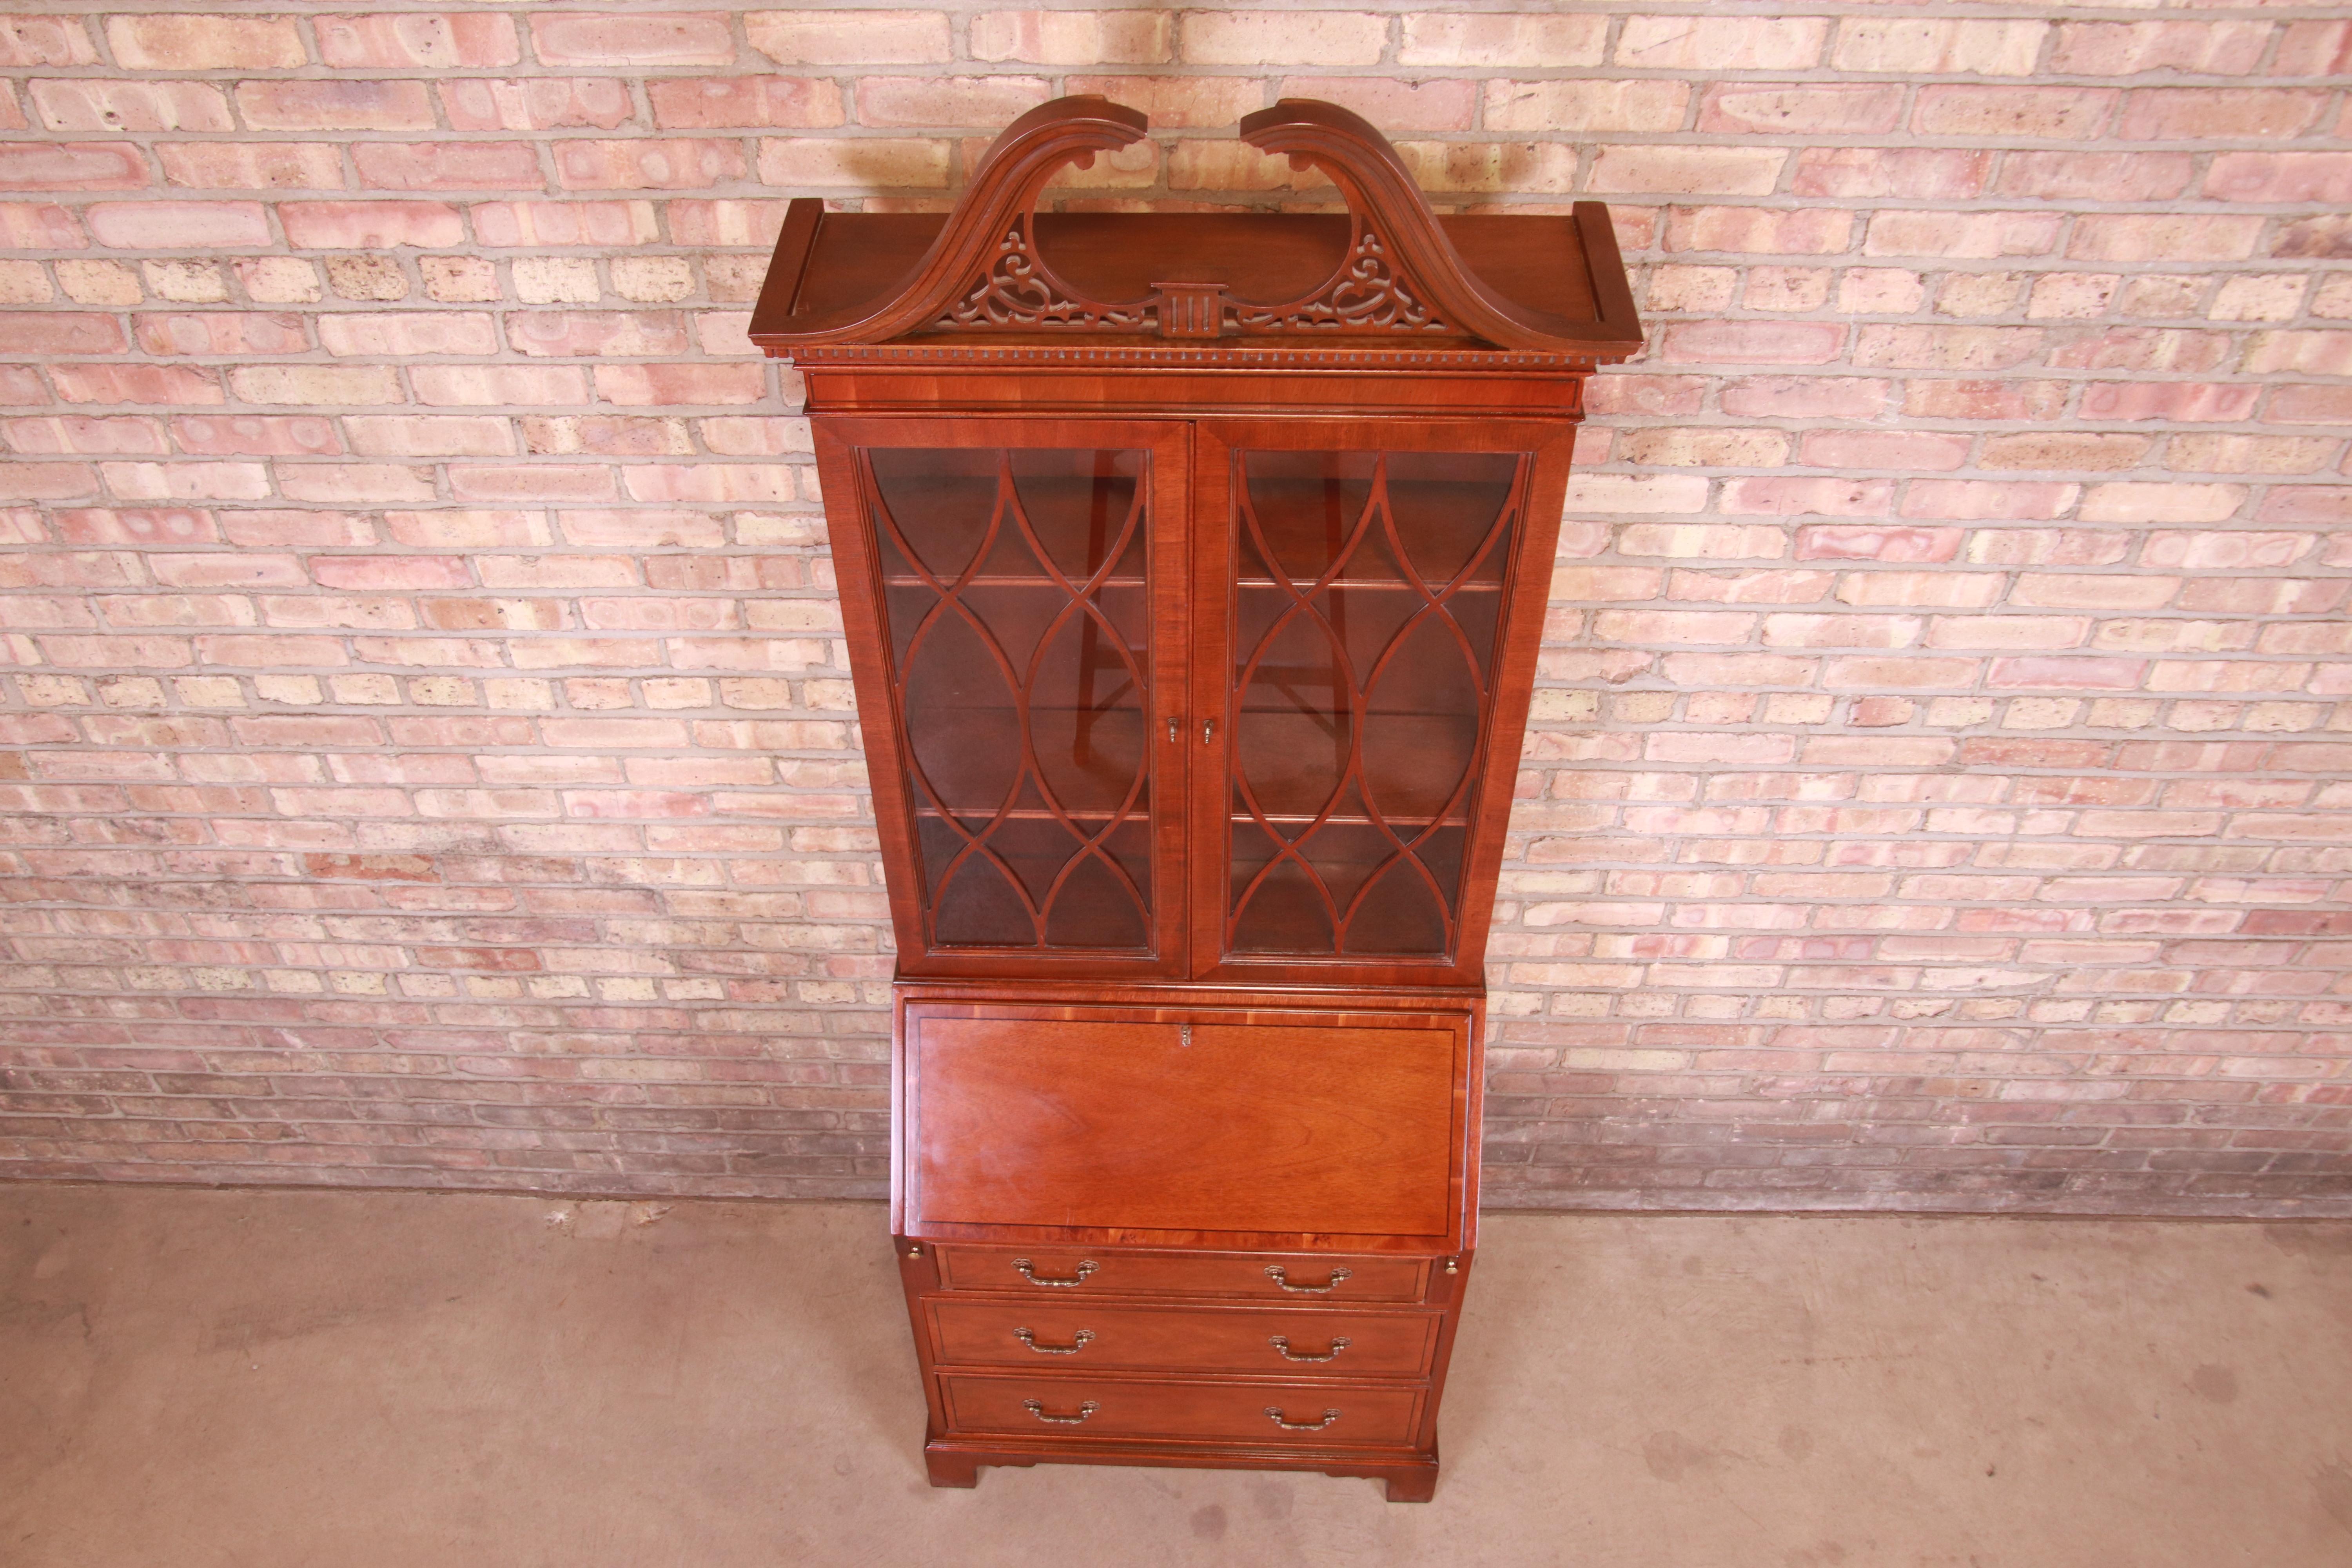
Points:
(957, 1462)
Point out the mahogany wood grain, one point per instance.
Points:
(1057, 386)
(1073, 1337)
(1124, 1273)
(859, 563)
(1119, 277)
(1174, 1003)
(1548, 446)
(1368, 1414)
(1126, 1121)
(1323, 1122)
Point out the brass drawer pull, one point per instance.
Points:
(1282, 1348)
(1275, 1411)
(1273, 1271)
(1078, 1341)
(1085, 1407)
(1022, 1266)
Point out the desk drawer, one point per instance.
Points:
(1063, 1273)
(1078, 1336)
(1257, 1413)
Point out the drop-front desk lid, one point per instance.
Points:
(1386, 274)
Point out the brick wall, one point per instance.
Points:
(426, 742)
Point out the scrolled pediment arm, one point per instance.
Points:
(1004, 188)
(1381, 193)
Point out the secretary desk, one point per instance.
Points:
(1193, 566)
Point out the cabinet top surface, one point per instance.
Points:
(1386, 284)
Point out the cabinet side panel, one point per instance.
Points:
(858, 572)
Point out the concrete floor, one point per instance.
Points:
(264, 1379)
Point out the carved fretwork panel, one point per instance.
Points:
(1018, 292)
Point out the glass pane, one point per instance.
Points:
(1019, 609)
(1366, 609)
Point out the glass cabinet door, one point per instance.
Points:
(1018, 573)
(1365, 575)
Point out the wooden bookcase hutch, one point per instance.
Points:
(1193, 567)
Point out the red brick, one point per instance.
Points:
(39, 225)
(178, 226)
(1985, 401)
(1797, 497)
(680, 385)
(1919, 173)
(1977, 500)
(1809, 231)
(253, 166)
(356, 483)
(1833, 109)
(1895, 543)
(222, 332)
(607, 224)
(1801, 398)
(596, 332)
(443, 385)
(2314, 353)
(538, 103)
(864, 37)
(1324, 39)
(400, 334)
(697, 103)
(1395, 106)
(82, 433)
(1753, 342)
(195, 43)
(2054, 113)
(1487, 40)
(632, 42)
(256, 435)
(160, 383)
(1177, 103)
(2158, 236)
(51, 481)
(396, 42)
(451, 165)
(71, 166)
(46, 41)
(370, 226)
(2204, 113)
(2280, 177)
(2059, 672)
(642, 163)
(348, 104)
(2307, 504)
(60, 332)
(535, 482)
(2314, 49)
(2095, 176)
(1946, 348)
(1687, 170)
(91, 104)
(1961, 235)
(2126, 48)
(2173, 400)
(2328, 236)
(2064, 449)
(2311, 405)
(2145, 348)
(1909, 451)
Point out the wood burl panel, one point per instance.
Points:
(1119, 1122)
